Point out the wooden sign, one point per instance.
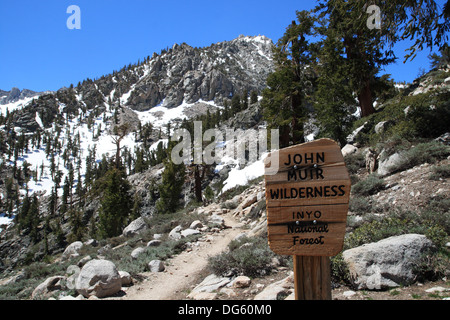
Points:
(307, 199)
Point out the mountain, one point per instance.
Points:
(15, 94)
(60, 152)
(52, 139)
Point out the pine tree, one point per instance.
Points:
(253, 97)
(333, 97)
(235, 104)
(171, 186)
(289, 87)
(115, 203)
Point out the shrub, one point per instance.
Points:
(339, 269)
(429, 152)
(435, 226)
(360, 205)
(354, 162)
(440, 172)
(248, 256)
(370, 186)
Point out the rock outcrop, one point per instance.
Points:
(98, 278)
(387, 263)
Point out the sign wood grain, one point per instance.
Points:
(307, 200)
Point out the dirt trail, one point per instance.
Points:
(183, 270)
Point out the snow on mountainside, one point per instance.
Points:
(181, 82)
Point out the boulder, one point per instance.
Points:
(277, 290)
(188, 232)
(72, 250)
(83, 261)
(196, 224)
(249, 201)
(48, 287)
(241, 282)
(136, 252)
(125, 277)
(135, 227)
(385, 167)
(175, 233)
(381, 126)
(156, 266)
(98, 278)
(387, 263)
(154, 243)
(210, 284)
(348, 149)
(215, 219)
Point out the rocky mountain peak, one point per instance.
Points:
(15, 94)
(187, 74)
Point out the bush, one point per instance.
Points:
(429, 152)
(429, 221)
(370, 186)
(247, 256)
(354, 162)
(440, 172)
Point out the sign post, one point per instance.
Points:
(307, 203)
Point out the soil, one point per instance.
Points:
(184, 270)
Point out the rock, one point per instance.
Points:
(83, 261)
(249, 201)
(196, 224)
(437, 289)
(230, 204)
(386, 167)
(104, 250)
(349, 293)
(189, 232)
(125, 277)
(48, 287)
(387, 263)
(135, 227)
(445, 139)
(175, 233)
(91, 242)
(72, 250)
(136, 252)
(154, 243)
(215, 219)
(241, 282)
(348, 149)
(277, 290)
(260, 196)
(156, 266)
(210, 284)
(98, 278)
(381, 127)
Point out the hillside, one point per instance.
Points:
(60, 151)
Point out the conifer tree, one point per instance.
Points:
(171, 186)
(289, 87)
(115, 203)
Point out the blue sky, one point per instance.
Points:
(39, 52)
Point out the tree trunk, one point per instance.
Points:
(365, 100)
(198, 183)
